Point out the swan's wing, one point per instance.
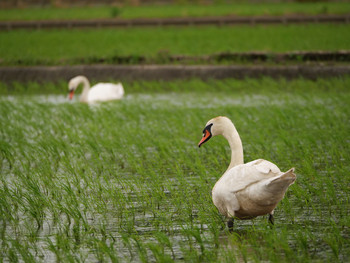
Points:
(264, 166)
(105, 92)
(244, 175)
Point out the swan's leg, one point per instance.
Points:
(271, 219)
(230, 224)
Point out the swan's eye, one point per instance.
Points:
(207, 129)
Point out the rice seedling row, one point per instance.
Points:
(125, 181)
(157, 44)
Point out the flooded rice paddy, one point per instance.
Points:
(125, 181)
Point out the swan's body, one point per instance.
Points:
(98, 93)
(246, 190)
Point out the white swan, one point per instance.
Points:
(98, 93)
(245, 191)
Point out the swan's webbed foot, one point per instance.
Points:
(230, 224)
(271, 219)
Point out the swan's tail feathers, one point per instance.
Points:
(282, 181)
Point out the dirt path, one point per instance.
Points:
(190, 21)
(167, 72)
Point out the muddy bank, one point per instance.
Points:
(164, 58)
(183, 21)
(167, 72)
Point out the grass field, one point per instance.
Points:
(125, 181)
(184, 10)
(86, 46)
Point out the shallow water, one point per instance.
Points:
(126, 210)
(183, 100)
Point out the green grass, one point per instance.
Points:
(125, 181)
(83, 46)
(164, 11)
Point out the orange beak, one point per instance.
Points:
(71, 94)
(206, 137)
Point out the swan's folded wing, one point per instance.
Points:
(105, 92)
(119, 90)
(264, 166)
(244, 175)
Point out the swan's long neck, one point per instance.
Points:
(235, 142)
(86, 88)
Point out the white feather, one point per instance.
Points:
(98, 93)
(247, 190)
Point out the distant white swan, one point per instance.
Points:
(246, 190)
(98, 93)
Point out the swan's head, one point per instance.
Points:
(215, 126)
(73, 85)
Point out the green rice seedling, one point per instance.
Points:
(65, 46)
(124, 181)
